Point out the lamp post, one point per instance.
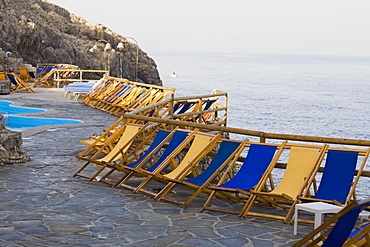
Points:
(107, 48)
(121, 46)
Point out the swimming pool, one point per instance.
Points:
(20, 123)
(7, 108)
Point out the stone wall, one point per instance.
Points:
(36, 31)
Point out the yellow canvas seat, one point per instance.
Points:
(126, 137)
(302, 166)
(17, 83)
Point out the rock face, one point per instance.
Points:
(36, 31)
(11, 146)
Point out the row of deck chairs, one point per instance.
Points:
(29, 79)
(173, 158)
(117, 96)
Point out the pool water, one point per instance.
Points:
(20, 123)
(5, 107)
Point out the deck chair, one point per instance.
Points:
(26, 75)
(260, 159)
(180, 138)
(127, 136)
(18, 83)
(161, 137)
(200, 147)
(227, 151)
(338, 183)
(340, 234)
(303, 163)
(39, 71)
(44, 80)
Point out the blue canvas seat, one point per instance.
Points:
(260, 158)
(227, 151)
(341, 233)
(338, 180)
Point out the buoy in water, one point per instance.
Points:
(174, 74)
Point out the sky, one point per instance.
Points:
(310, 27)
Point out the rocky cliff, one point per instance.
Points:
(36, 31)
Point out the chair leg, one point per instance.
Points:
(247, 206)
(143, 184)
(165, 191)
(196, 193)
(78, 173)
(208, 200)
(124, 179)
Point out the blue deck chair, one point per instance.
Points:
(49, 68)
(178, 138)
(18, 83)
(39, 70)
(340, 233)
(259, 159)
(337, 178)
(227, 151)
(161, 137)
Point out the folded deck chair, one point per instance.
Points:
(108, 94)
(113, 97)
(18, 83)
(338, 180)
(200, 147)
(161, 137)
(260, 159)
(302, 166)
(179, 138)
(227, 151)
(127, 136)
(340, 234)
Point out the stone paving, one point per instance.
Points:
(43, 205)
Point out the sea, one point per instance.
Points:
(311, 95)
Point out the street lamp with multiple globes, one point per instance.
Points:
(120, 46)
(107, 48)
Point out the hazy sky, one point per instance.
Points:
(326, 27)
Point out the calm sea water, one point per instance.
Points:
(291, 94)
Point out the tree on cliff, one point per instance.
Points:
(40, 32)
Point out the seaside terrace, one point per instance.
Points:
(134, 172)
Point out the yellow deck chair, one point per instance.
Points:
(17, 83)
(44, 80)
(26, 75)
(302, 166)
(129, 133)
(200, 147)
